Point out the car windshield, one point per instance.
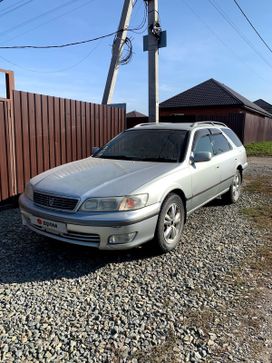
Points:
(146, 145)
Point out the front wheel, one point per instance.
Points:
(170, 224)
(234, 191)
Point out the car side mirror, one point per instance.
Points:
(202, 156)
(95, 149)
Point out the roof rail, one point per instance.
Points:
(145, 124)
(153, 123)
(214, 123)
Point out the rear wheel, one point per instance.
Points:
(234, 191)
(170, 224)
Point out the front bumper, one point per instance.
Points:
(94, 230)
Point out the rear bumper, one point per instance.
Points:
(245, 165)
(94, 230)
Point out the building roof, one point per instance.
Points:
(211, 93)
(135, 114)
(265, 105)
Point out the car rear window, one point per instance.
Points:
(234, 138)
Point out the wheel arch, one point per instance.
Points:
(181, 194)
(240, 168)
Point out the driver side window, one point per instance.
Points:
(203, 144)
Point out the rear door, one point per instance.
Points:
(226, 158)
(205, 175)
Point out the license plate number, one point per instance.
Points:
(46, 224)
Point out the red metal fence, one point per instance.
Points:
(39, 132)
(7, 187)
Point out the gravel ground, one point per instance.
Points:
(64, 303)
(259, 166)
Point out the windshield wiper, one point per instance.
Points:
(133, 158)
(165, 160)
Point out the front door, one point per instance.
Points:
(206, 174)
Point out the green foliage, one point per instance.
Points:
(259, 149)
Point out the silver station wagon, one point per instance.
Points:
(139, 187)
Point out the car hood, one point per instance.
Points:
(98, 177)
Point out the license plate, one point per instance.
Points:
(51, 226)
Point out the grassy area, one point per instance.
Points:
(259, 149)
(261, 216)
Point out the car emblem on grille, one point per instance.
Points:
(51, 201)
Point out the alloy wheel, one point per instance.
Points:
(236, 186)
(172, 223)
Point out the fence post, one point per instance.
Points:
(10, 86)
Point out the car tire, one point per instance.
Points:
(170, 224)
(234, 191)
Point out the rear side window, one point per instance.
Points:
(234, 138)
(220, 144)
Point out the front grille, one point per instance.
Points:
(82, 237)
(55, 202)
(72, 236)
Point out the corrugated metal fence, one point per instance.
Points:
(6, 175)
(39, 132)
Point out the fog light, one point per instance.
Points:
(122, 238)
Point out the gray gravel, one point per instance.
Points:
(259, 166)
(61, 303)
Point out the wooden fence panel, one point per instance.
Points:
(4, 162)
(50, 131)
(39, 133)
(57, 131)
(19, 155)
(257, 128)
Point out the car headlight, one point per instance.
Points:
(110, 204)
(29, 191)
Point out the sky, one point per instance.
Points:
(206, 39)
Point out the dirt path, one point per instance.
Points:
(260, 161)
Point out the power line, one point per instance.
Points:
(11, 6)
(140, 29)
(219, 39)
(52, 19)
(136, 29)
(125, 59)
(11, 9)
(65, 45)
(224, 16)
(71, 44)
(38, 16)
(252, 26)
(55, 71)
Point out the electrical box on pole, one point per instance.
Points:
(152, 42)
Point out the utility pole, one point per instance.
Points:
(117, 50)
(154, 32)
